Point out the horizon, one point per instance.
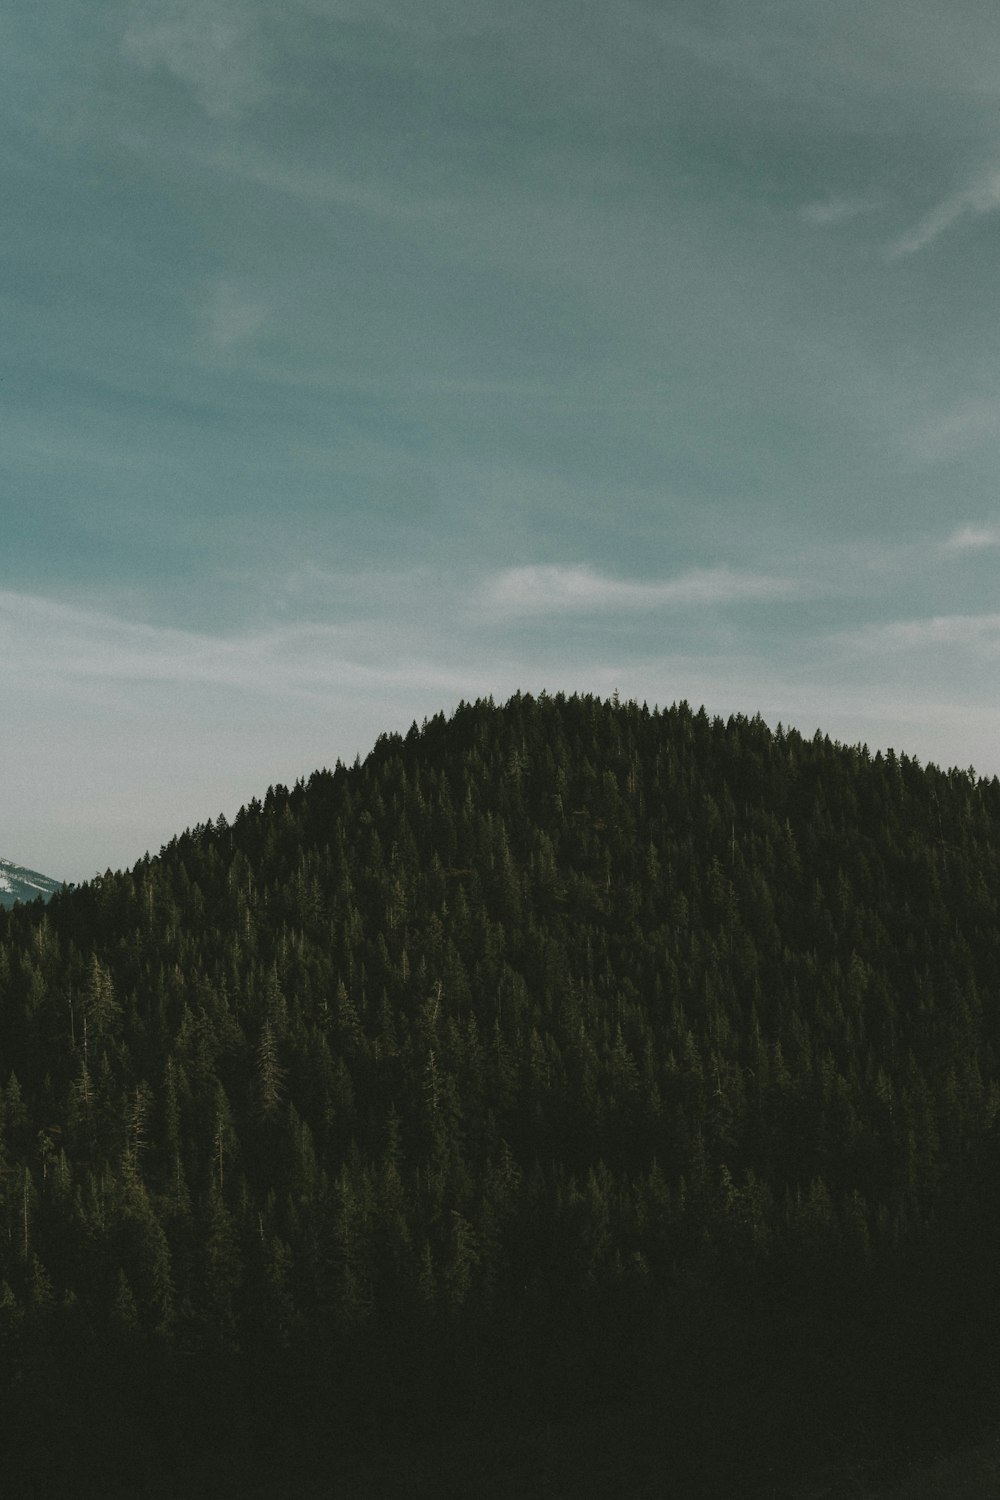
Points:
(361, 360)
(776, 730)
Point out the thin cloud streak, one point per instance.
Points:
(980, 196)
(207, 45)
(578, 588)
(948, 435)
(979, 633)
(829, 211)
(44, 640)
(973, 538)
(231, 315)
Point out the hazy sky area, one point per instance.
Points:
(359, 356)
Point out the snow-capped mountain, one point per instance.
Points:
(19, 884)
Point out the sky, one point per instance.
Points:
(362, 356)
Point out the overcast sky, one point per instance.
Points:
(359, 356)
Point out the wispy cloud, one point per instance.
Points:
(408, 642)
(979, 633)
(209, 45)
(327, 186)
(48, 640)
(945, 435)
(578, 588)
(232, 314)
(829, 211)
(973, 538)
(981, 195)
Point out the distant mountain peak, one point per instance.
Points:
(19, 884)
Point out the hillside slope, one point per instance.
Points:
(564, 1056)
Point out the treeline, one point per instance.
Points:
(558, 1051)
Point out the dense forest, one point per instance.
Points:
(567, 1066)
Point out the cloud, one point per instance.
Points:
(834, 211)
(209, 45)
(231, 314)
(980, 196)
(951, 433)
(392, 634)
(578, 588)
(446, 17)
(979, 633)
(973, 538)
(47, 642)
(325, 186)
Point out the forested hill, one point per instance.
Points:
(561, 1054)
